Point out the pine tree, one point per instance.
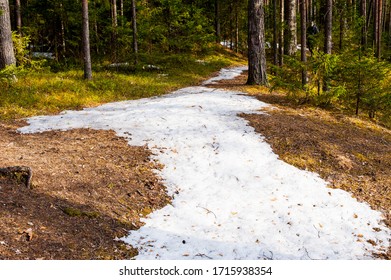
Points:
(290, 34)
(256, 43)
(7, 55)
(86, 42)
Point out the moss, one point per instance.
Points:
(73, 212)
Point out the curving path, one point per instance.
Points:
(232, 197)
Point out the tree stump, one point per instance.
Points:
(22, 174)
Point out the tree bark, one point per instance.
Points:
(363, 14)
(256, 43)
(281, 35)
(303, 22)
(86, 42)
(7, 55)
(114, 24)
(328, 37)
(290, 35)
(217, 21)
(134, 23)
(18, 13)
(275, 36)
(328, 27)
(379, 28)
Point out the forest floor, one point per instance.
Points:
(349, 153)
(90, 187)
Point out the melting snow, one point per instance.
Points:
(232, 197)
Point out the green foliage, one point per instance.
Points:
(8, 74)
(366, 81)
(322, 67)
(288, 77)
(20, 49)
(45, 92)
(174, 25)
(356, 82)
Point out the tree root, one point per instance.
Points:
(22, 174)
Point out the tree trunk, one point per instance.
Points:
(18, 13)
(114, 24)
(379, 28)
(281, 36)
(217, 21)
(290, 35)
(134, 23)
(303, 22)
(328, 37)
(275, 36)
(256, 43)
(342, 25)
(63, 40)
(86, 42)
(363, 13)
(328, 27)
(121, 5)
(7, 55)
(236, 28)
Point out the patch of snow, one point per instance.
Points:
(226, 74)
(119, 64)
(233, 198)
(48, 55)
(151, 67)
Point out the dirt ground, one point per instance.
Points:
(350, 153)
(88, 188)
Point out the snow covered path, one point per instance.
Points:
(233, 197)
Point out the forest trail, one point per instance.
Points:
(233, 198)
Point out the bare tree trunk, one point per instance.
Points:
(236, 28)
(86, 42)
(114, 24)
(275, 37)
(281, 36)
(134, 23)
(95, 24)
(18, 11)
(7, 55)
(389, 28)
(217, 21)
(62, 35)
(375, 25)
(328, 37)
(342, 24)
(121, 3)
(290, 35)
(303, 22)
(363, 14)
(256, 43)
(379, 28)
(328, 27)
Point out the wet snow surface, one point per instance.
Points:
(232, 197)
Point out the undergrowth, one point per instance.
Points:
(49, 90)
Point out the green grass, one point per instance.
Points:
(45, 92)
